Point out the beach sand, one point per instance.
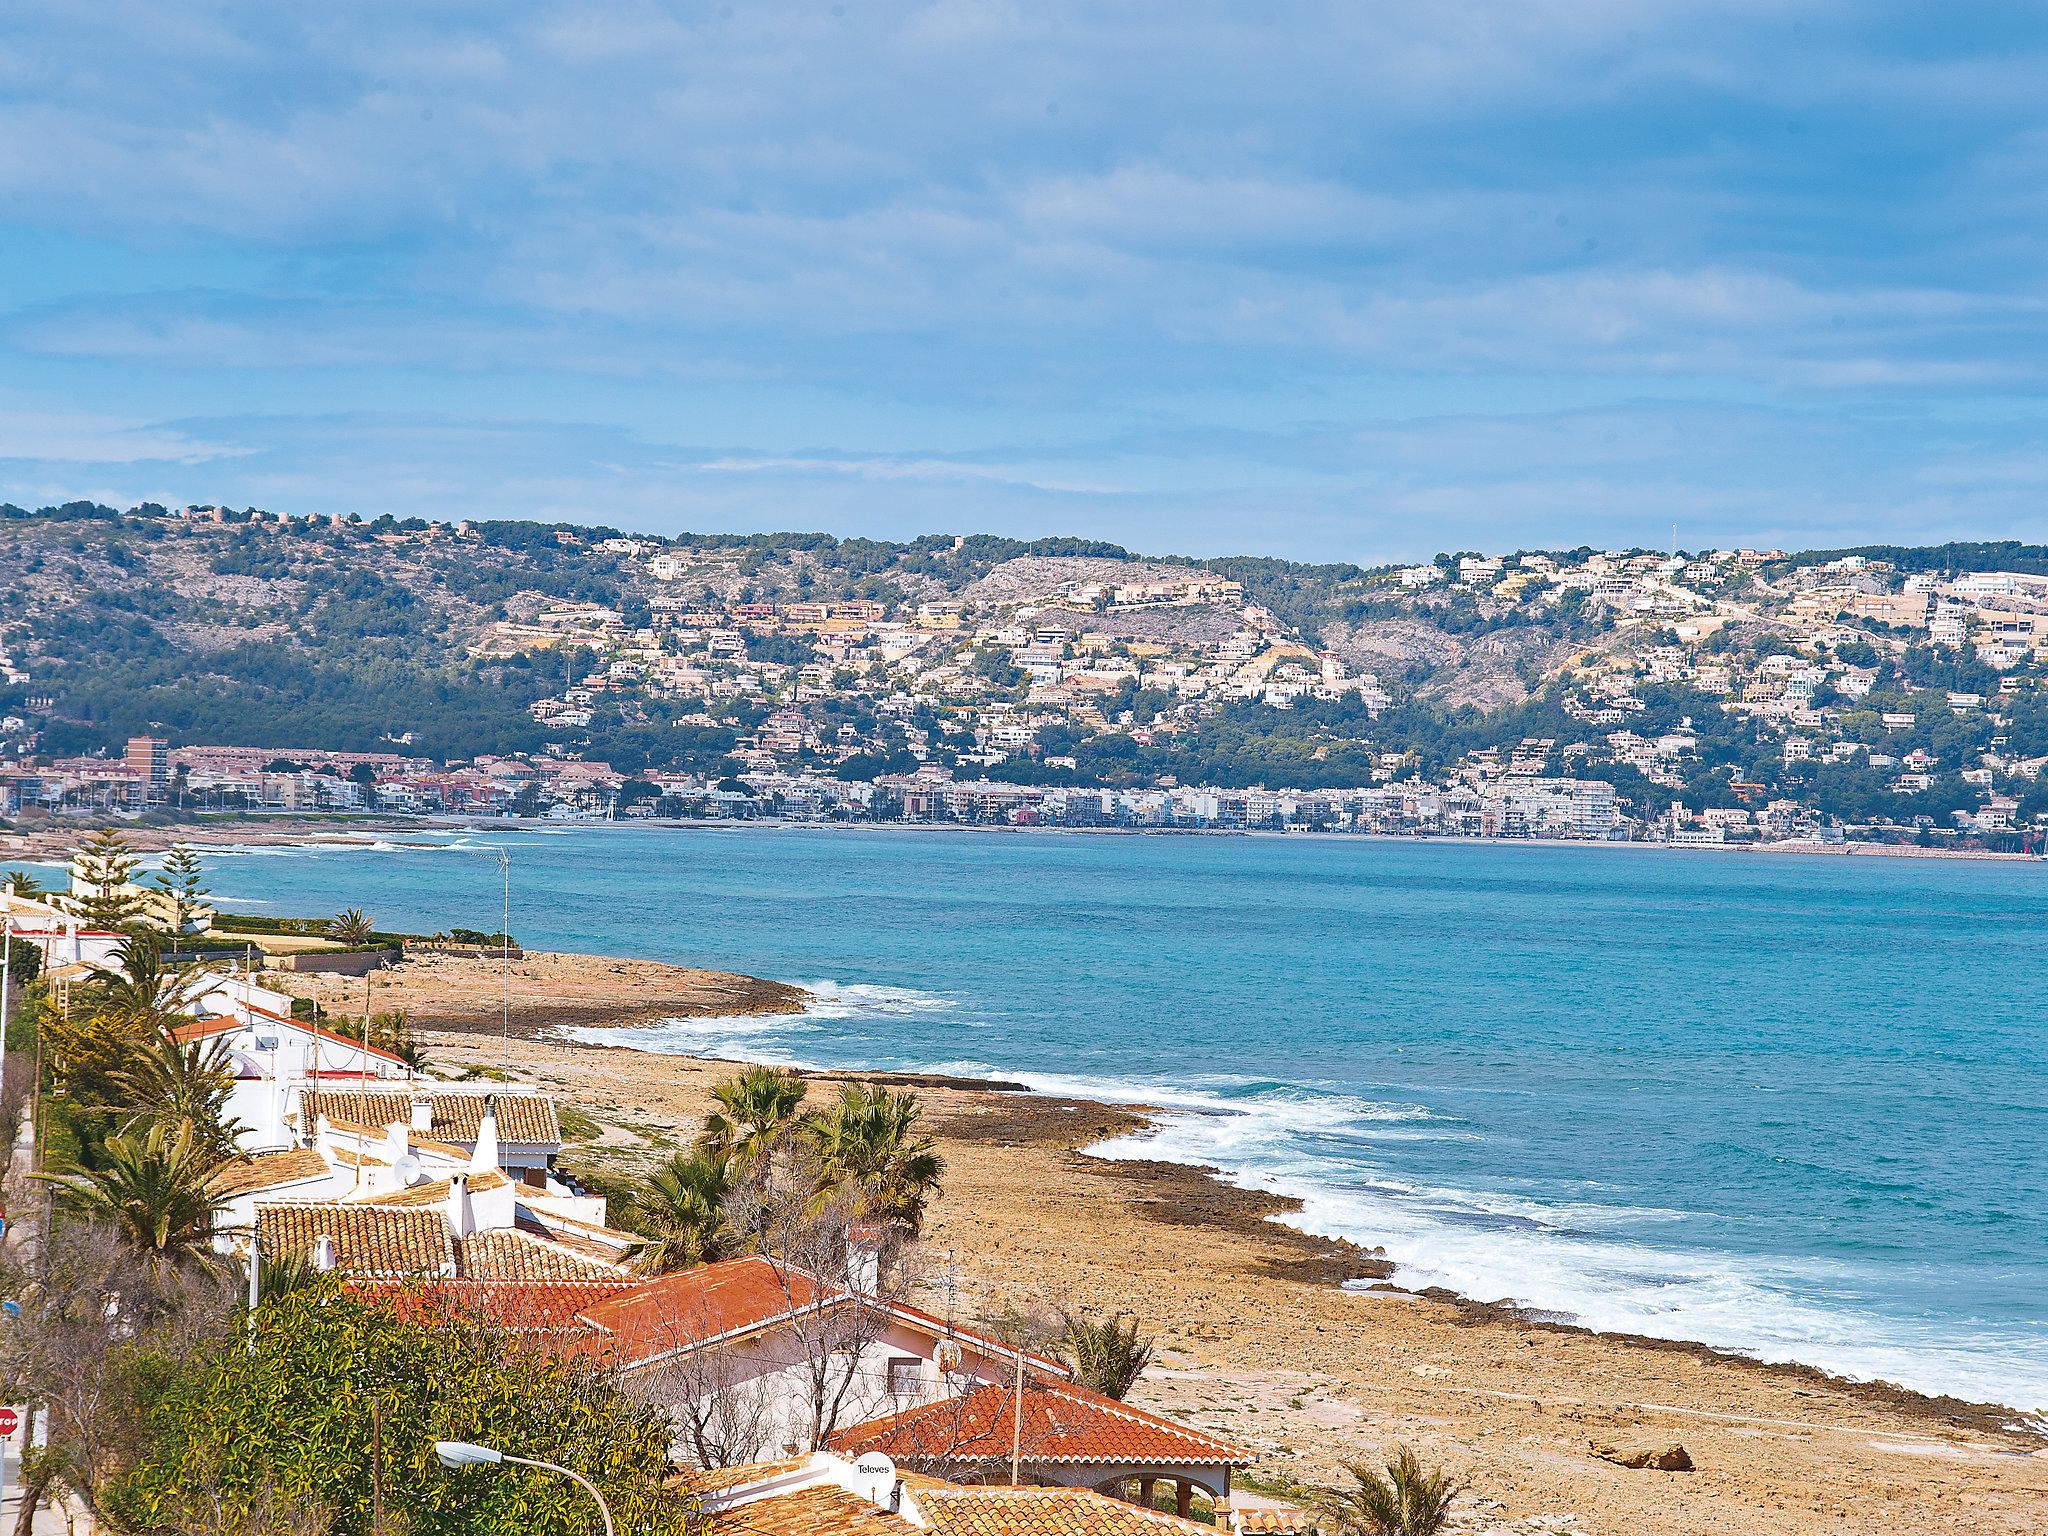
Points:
(1260, 1343)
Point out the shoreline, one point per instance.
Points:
(1297, 1346)
(51, 845)
(1261, 1341)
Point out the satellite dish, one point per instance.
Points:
(407, 1170)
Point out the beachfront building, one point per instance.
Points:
(870, 1495)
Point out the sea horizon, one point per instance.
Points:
(1529, 1077)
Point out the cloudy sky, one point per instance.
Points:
(1357, 281)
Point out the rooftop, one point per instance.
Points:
(1061, 1423)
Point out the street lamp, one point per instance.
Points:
(460, 1453)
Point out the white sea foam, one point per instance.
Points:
(1577, 1257)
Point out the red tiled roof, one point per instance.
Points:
(822, 1511)
(1044, 1512)
(520, 1305)
(505, 1255)
(695, 1306)
(1279, 1520)
(1062, 1423)
(526, 1118)
(242, 1175)
(368, 1239)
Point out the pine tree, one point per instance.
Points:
(184, 895)
(102, 877)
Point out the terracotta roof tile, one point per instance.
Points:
(244, 1175)
(690, 1307)
(813, 1512)
(1277, 1521)
(1044, 1512)
(368, 1239)
(526, 1118)
(1062, 1423)
(435, 1192)
(719, 1479)
(518, 1256)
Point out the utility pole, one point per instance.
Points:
(1017, 1422)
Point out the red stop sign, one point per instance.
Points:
(10, 1421)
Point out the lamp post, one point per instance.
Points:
(460, 1453)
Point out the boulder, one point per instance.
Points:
(1643, 1458)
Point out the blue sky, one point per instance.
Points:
(1355, 281)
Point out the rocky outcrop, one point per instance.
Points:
(1668, 1458)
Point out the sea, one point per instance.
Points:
(1795, 1107)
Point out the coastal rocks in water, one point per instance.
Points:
(1669, 1458)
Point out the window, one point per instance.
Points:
(906, 1376)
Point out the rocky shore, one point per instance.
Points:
(1296, 1346)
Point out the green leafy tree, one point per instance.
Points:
(757, 1113)
(102, 880)
(873, 1142)
(351, 926)
(154, 1187)
(22, 883)
(1105, 1354)
(335, 1401)
(184, 893)
(1404, 1500)
(183, 1084)
(681, 1211)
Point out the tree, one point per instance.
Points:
(335, 1400)
(22, 883)
(102, 880)
(184, 895)
(113, 1018)
(872, 1142)
(153, 1188)
(351, 926)
(187, 1084)
(681, 1211)
(1404, 1501)
(393, 1032)
(756, 1115)
(1105, 1354)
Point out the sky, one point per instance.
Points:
(1335, 282)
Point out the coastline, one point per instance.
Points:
(1298, 1346)
(52, 845)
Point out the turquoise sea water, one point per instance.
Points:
(1793, 1106)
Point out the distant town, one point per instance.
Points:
(1722, 696)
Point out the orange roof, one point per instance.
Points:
(528, 1118)
(823, 1511)
(502, 1255)
(719, 1479)
(1043, 1512)
(1062, 1423)
(520, 1305)
(436, 1192)
(716, 1302)
(368, 1239)
(243, 1175)
(696, 1306)
(1279, 1520)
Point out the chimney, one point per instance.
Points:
(323, 1253)
(461, 1218)
(485, 1158)
(423, 1112)
(864, 1259)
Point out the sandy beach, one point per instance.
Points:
(1260, 1341)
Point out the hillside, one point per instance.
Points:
(1880, 686)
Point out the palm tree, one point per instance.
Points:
(23, 883)
(873, 1142)
(351, 926)
(184, 1084)
(757, 1111)
(1404, 1501)
(681, 1212)
(145, 991)
(154, 1190)
(1105, 1354)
